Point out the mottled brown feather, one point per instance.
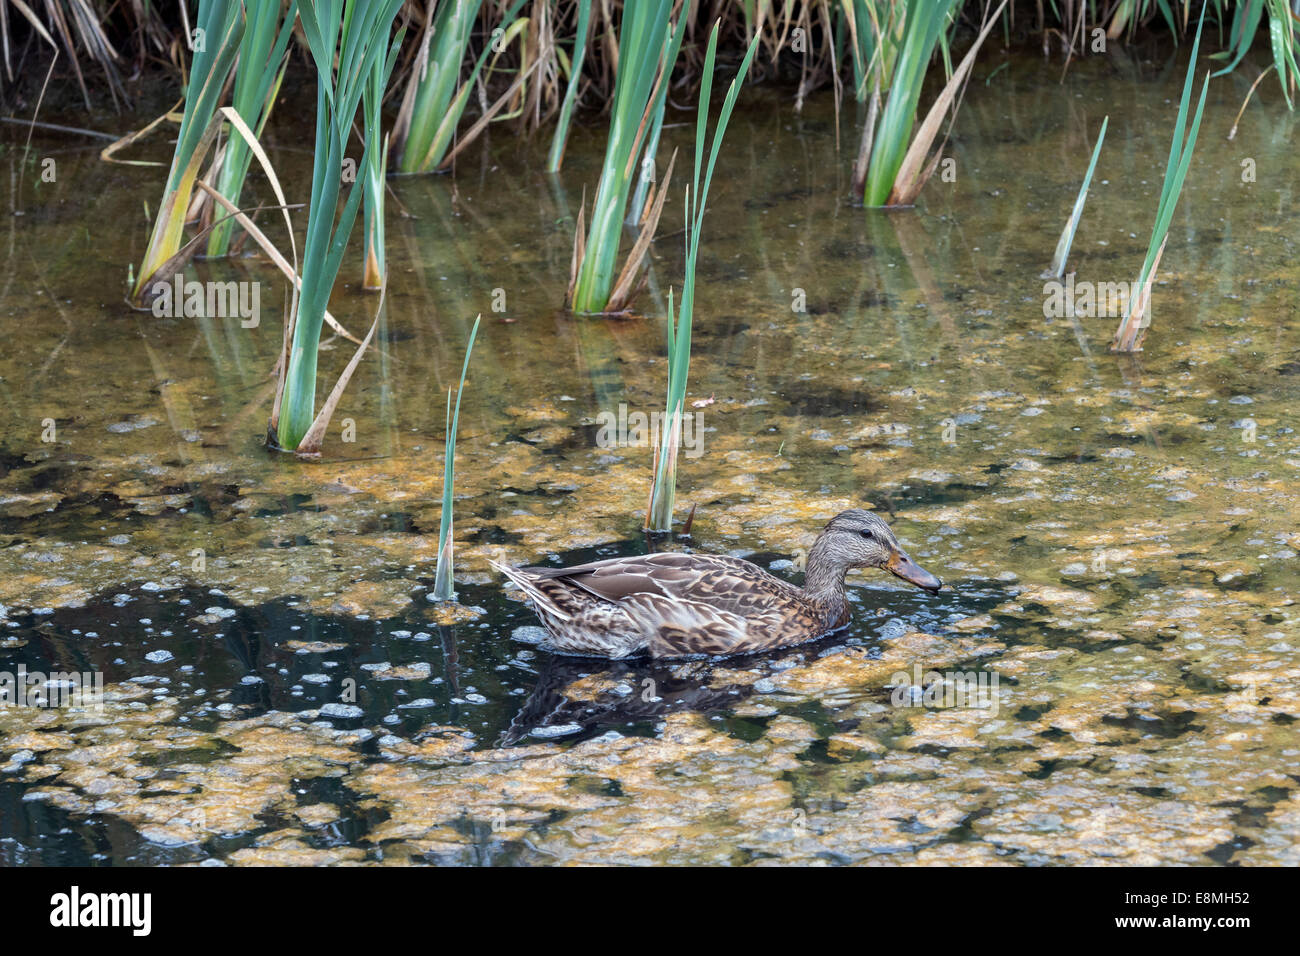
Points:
(676, 605)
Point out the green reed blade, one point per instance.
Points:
(1180, 154)
(646, 167)
(862, 21)
(435, 93)
(1132, 328)
(560, 138)
(659, 517)
(435, 81)
(375, 263)
(443, 581)
(1072, 224)
(1245, 23)
(258, 73)
(222, 23)
(648, 43)
(1282, 39)
(345, 37)
(923, 24)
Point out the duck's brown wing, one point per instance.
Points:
(695, 604)
(703, 577)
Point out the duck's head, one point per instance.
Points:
(859, 539)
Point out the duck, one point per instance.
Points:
(674, 604)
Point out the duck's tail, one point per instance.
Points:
(540, 598)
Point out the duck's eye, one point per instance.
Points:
(867, 534)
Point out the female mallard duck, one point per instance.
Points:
(674, 605)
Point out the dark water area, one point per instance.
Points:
(213, 660)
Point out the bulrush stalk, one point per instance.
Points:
(647, 49)
(560, 138)
(222, 26)
(443, 581)
(346, 37)
(257, 82)
(659, 513)
(1133, 328)
(1072, 224)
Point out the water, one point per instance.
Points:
(1118, 533)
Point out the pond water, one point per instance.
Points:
(1118, 533)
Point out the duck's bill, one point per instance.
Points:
(900, 565)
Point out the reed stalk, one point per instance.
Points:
(873, 37)
(889, 171)
(922, 24)
(1130, 13)
(221, 23)
(443, 581)
(435, 97)
(1063, 244)
(646, 175)
(345, 37)
(1281, 37)
(374, 180)
(560, 138)
(105, 32)
(648, 43)
(1137, 317)
(663, 492)
(258, 74)
(432, 106)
